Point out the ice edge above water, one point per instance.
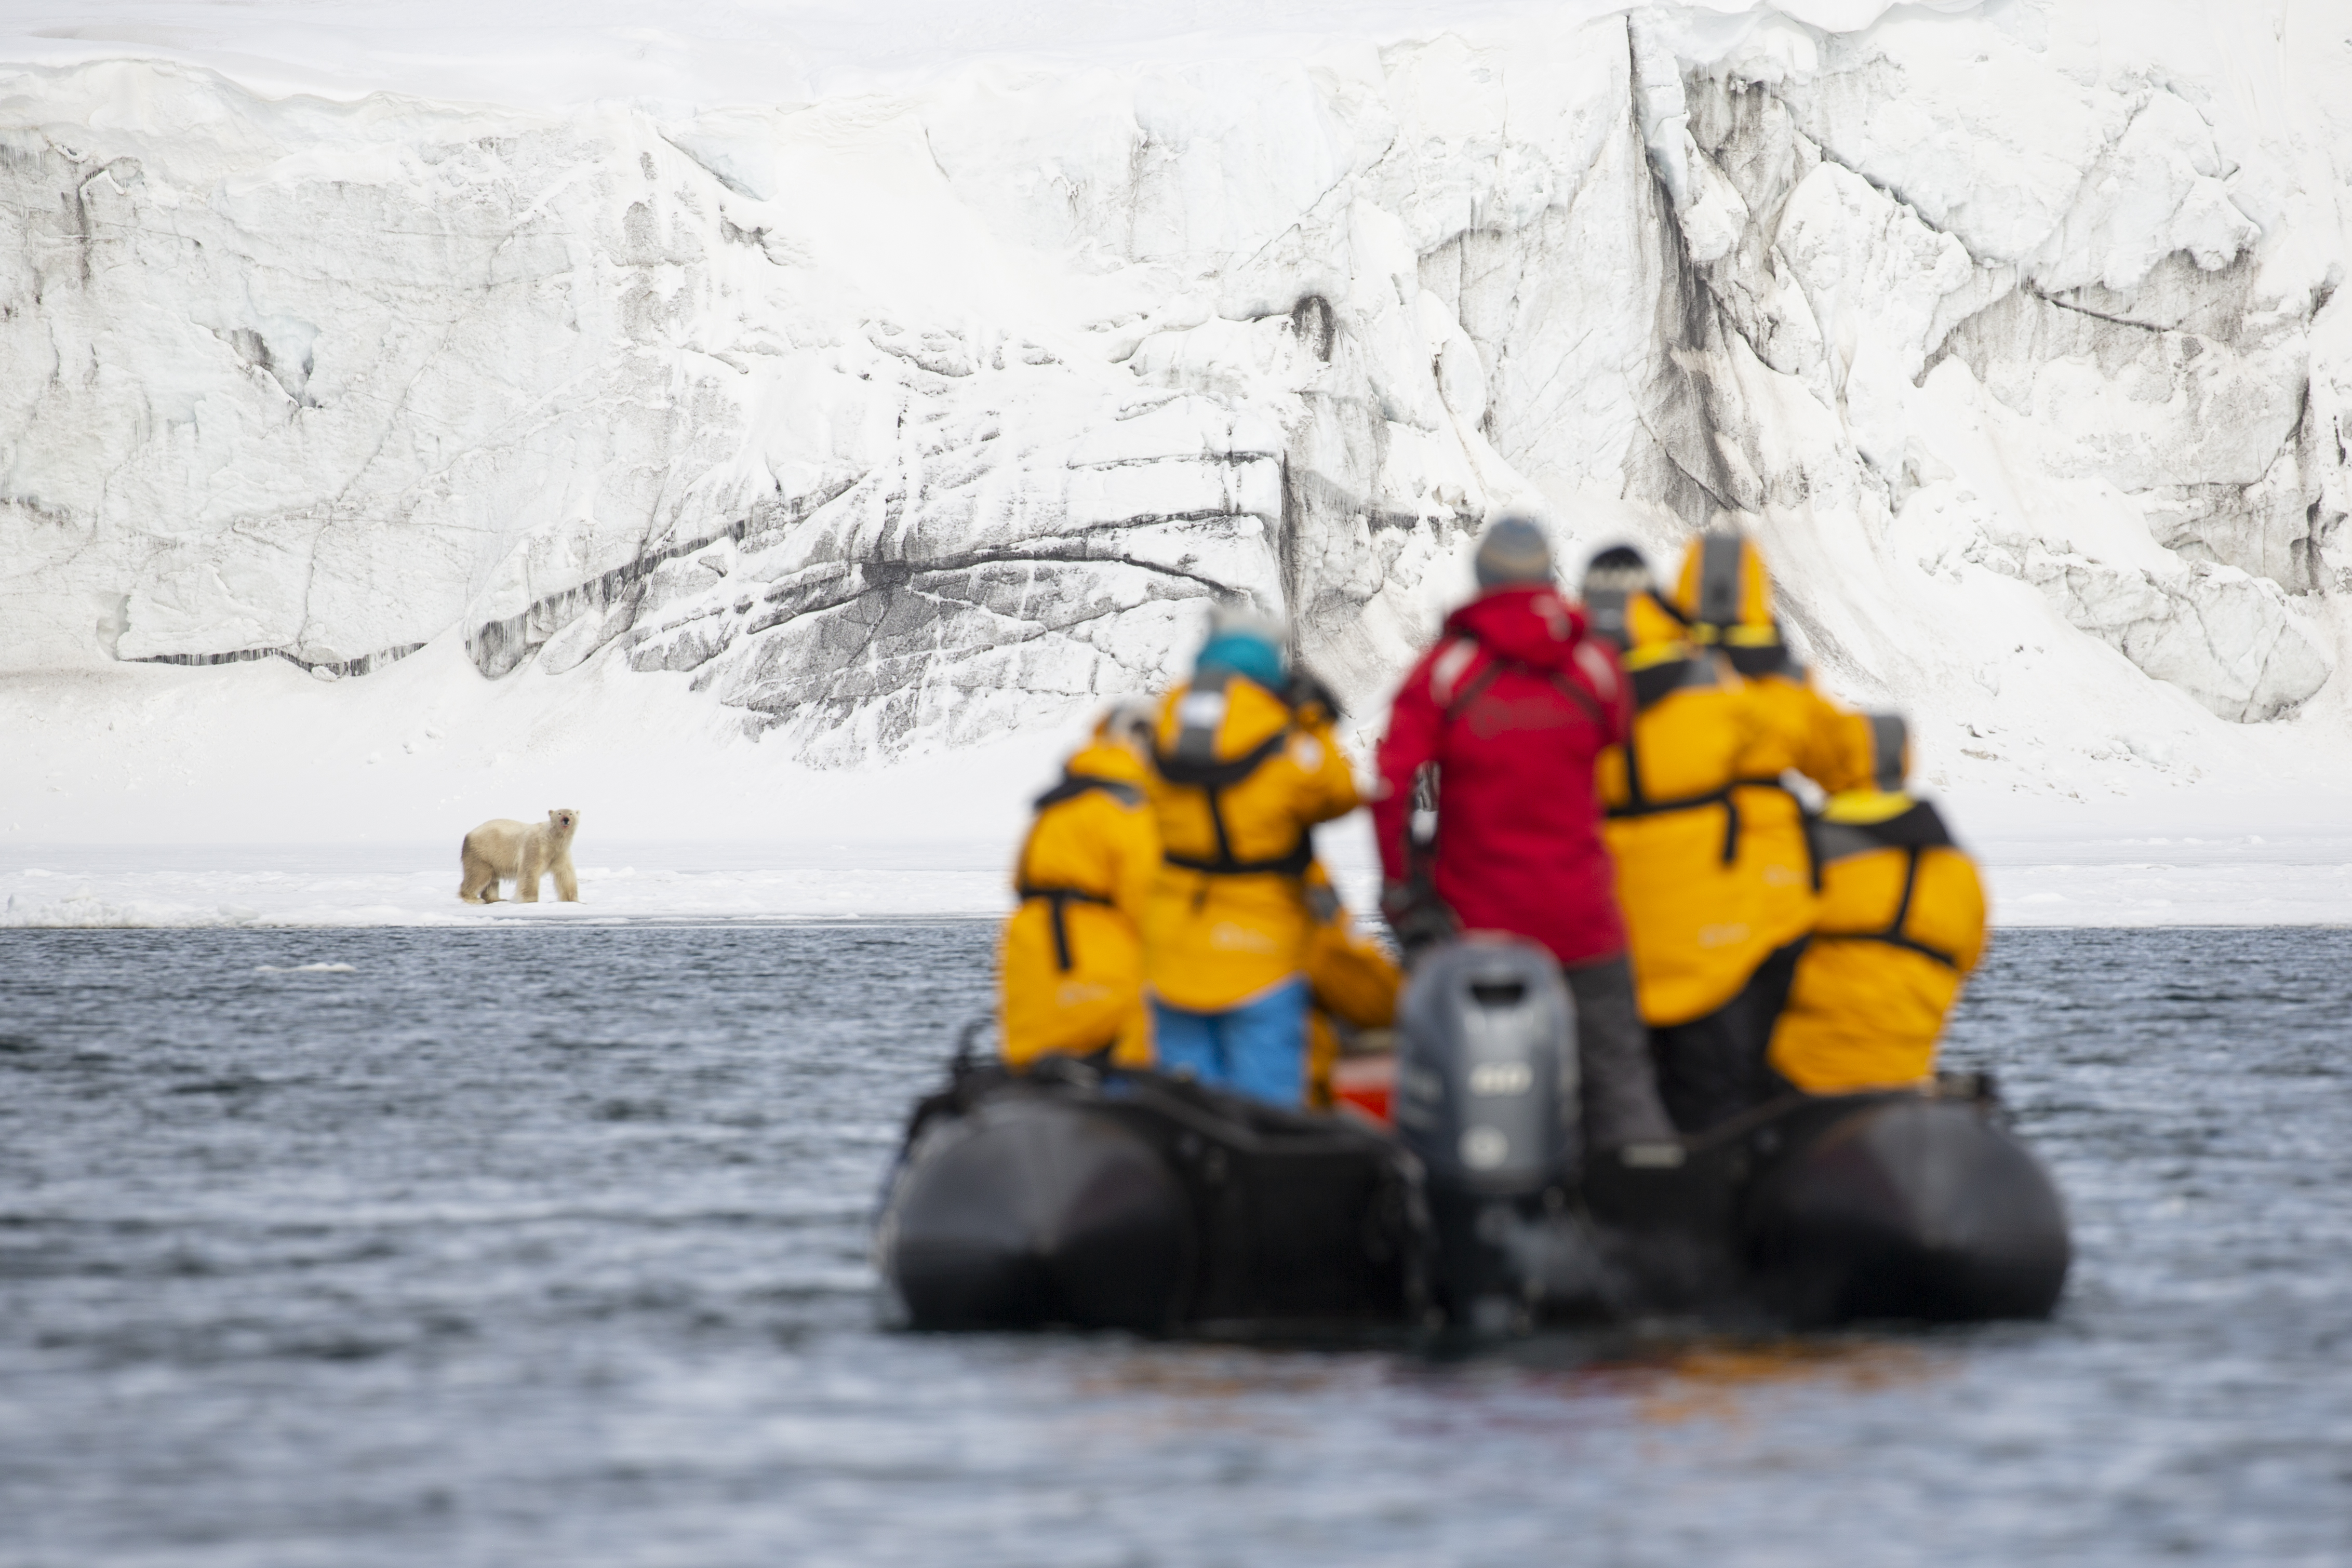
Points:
(2283, 881)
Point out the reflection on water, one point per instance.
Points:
(1723, 1382)
(550, 1246)
(1556, 1380)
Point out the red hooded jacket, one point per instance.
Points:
(1514, 705)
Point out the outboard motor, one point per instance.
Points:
(1487, 1098)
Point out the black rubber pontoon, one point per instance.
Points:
(1034, 1210)
(1129, 1200)
(1905, 1206)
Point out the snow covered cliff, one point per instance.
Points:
(908, 410)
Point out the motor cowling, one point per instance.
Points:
(1486, 1099)
(1486, 1075)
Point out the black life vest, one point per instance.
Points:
(1914, 832)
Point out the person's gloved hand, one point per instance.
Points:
(1417, 918)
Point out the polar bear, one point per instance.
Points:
(506, 848)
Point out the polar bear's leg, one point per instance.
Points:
(534, 866)
(567, 881)
(492, 852)
(479, 880)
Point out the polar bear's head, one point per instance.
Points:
(563, 820)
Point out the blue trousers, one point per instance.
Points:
(1258, 1049)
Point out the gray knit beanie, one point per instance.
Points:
(1513, 551)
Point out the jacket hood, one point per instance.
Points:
(1107, 759)
(1532, 626)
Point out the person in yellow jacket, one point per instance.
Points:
(1681, 797)
(1901, 926)
(1070, 963)
(1246, 764)
(1723, 597)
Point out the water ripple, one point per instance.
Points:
(549, 1245)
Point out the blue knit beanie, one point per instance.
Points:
(1244, 653)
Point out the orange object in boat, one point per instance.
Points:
(1364, 1085)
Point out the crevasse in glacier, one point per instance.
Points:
(913, 417)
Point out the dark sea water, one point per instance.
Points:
(548, 1247)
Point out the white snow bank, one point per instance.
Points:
(2192, 866)
(259, 754)
(362, 885)
(2166, 890)
(2301, 878)
(142, 809)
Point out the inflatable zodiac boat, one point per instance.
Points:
(1067, 1195)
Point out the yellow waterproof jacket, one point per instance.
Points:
(1723, 595)
(1239, 781)
(1071, 959)
(1695, 919)
(1902, 925)
(1802, 732)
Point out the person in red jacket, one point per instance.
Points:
(1498, 726)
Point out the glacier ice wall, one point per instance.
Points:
(912, 418)
(2067, 304)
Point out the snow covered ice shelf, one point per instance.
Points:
(2294, 879)
(370, 885)
(2247, 881)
